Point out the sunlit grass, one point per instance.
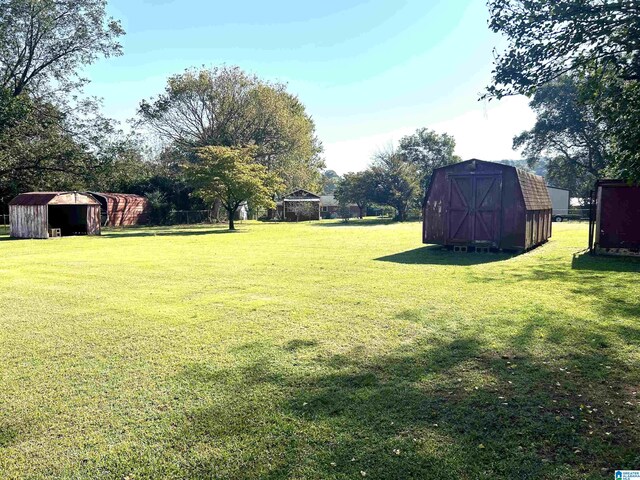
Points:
(317, 350)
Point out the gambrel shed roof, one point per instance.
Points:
(534, 190)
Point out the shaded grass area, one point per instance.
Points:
(290, 351)
(437, 255)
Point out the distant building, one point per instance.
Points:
(242, 212)
(297, 206)
(560, 203)
(330, 207)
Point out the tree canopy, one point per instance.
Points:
(427, 150)
(231, 175)
(395, 182)
(330, 180)
(398, 177)
(550, 38)
(569, 134)
(43, 43)
(227, 107)
(356, 188)
(48, 138)
(597, 43)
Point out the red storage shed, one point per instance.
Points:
(485, 205)
(617, 218)
(122, 209)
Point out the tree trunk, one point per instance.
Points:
(216, 209)
(361, 210)
(401, 214)
(231, 213)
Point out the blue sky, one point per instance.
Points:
(368, 71)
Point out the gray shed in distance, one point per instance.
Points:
(45, 214)
(486, 205)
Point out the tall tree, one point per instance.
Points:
(231, 175)
(47, 138)
(36, 152)
(427, 150)
(550, 38)
(330, 180)
(594, 39)
(567, 132)
(356, 188)
(395, 182)
(228, 107)
(43, 43)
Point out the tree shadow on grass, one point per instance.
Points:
(166, 233)
(8, 434)
(452, 409)
(437, 255)
(365, 222)
(602, 263)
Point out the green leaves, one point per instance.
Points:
(597, 44)
(427, 150)
(48, 41)
(231, 175)
(227, 107)
(550, 38)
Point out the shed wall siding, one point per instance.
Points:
(28, 221)
(123, 212)
(618, 217)
(93, 220)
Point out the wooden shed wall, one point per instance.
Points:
(122, 210)
(29, 221)
(127, 211)
(618, 217)
(93, 219)
(538, 227)
(507, 221)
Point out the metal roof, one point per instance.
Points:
(56, 198)
(329, 201)
(116, 196)
(301, 193)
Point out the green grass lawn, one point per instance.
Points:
(316, 350)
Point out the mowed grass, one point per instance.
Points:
(316, 350)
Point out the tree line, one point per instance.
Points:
(579, 63)
(399, 175)
(217, 137)
(214, 138)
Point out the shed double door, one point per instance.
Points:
(475, 204)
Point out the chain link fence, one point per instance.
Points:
(194, 217)
(190, 217)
